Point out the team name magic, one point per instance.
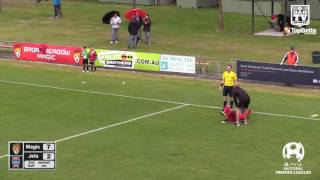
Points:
(33, 147)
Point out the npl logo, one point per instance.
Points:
(293, 149)
(300, 15)
(293, 153)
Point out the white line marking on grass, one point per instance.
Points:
(314, 115)
(284, 115)
(120, 123)
(263, 113)
(149, 99)
(3, 156)
(91, 92)
(113, 125)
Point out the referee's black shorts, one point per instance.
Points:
(227, 91)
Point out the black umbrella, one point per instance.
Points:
(107, 17)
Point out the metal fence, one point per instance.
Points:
(212, 69)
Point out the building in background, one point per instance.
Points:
(263, 7)
(196, 3)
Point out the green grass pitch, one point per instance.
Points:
(188, 142)
(181, 31)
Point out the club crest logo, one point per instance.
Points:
(76, 57)
(16, 162)
(16, 149)
(17, 52)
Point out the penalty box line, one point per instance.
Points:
(148, 99)
(113, 125)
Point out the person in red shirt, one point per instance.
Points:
(92, 59)
(291, 57)
(230, 115)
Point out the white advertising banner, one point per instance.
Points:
(179, 64)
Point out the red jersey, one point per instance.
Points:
(92, 55)
(231, 115)
(292, 57)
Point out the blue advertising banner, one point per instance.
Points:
(299, 75)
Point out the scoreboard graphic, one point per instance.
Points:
(31, 155)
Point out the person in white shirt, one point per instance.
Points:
(115, 22)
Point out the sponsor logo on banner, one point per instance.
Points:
(299, 75)
(293, 154)
(147, 61)
(179, 64)
(164, 66)
(48, 53)
(116, 59)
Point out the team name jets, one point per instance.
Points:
(33, 156)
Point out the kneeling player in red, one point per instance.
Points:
(231, 117)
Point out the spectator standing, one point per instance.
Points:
(115, 22)
(57, 8)
(133, 29)
(147, 29)
(140, 23)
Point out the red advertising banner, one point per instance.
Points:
(48, 53)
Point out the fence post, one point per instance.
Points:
(218, 65)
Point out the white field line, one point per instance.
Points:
(149, 99)
(90, 92)
(113, 125)
(120, 123)
(3, 156)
